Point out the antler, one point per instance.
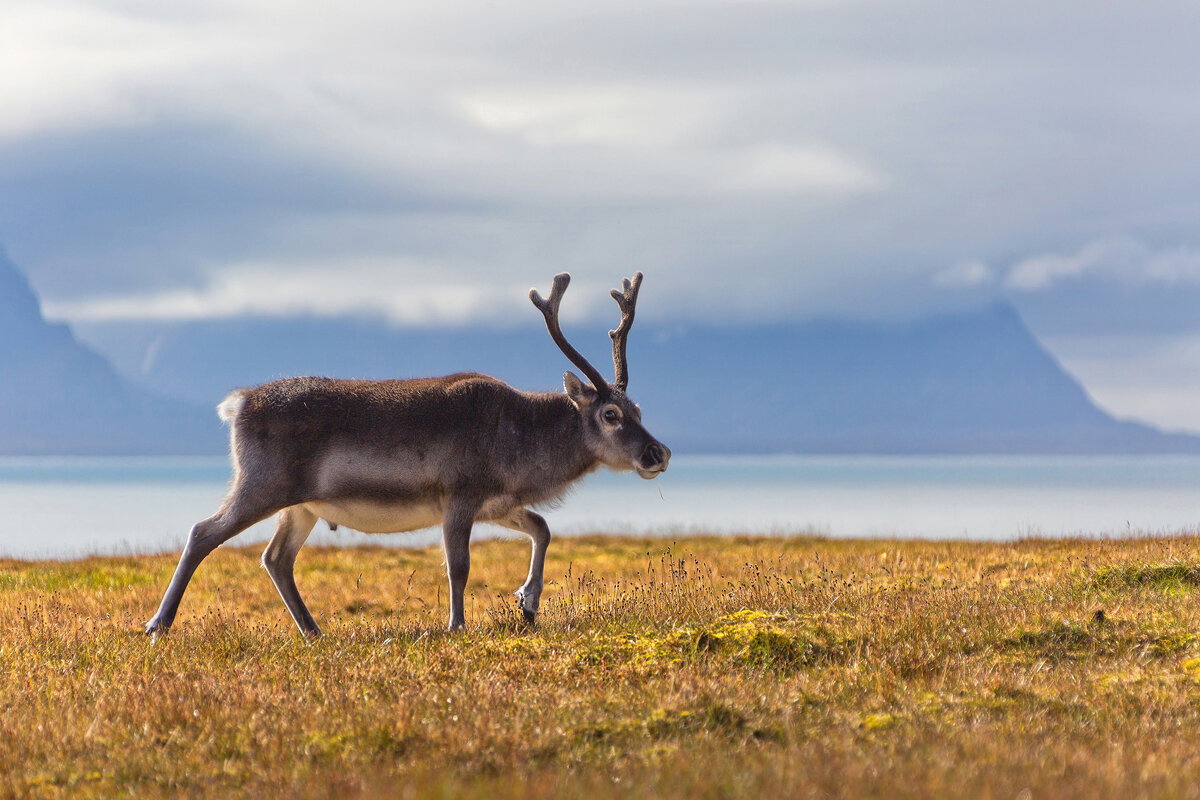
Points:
(627, 299)
(549, 309)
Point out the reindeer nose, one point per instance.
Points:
(656, 456)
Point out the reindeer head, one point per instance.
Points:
(612, 423)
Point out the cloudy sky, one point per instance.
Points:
(429, 161)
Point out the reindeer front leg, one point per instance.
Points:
(456, 542)
(534, 526)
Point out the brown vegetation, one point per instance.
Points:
(712, 668)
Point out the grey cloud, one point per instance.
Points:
(153, 207)
(758, 160)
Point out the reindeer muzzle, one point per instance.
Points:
(654, 459)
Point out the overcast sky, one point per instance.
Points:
(432, 161)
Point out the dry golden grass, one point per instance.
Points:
(717, 668)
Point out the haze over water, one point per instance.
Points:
(73, 507)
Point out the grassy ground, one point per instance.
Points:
(714, 668)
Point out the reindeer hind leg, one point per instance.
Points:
(279, 559)
(239, 511)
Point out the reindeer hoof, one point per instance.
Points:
(529, 614)
(155, 628)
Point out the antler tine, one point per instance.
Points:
(549, 309)
(626, 298)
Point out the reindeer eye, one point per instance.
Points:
(612, 416)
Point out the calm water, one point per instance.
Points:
(69, 507)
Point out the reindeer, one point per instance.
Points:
(399, 455)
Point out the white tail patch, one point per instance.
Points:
(231, 405)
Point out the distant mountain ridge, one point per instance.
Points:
(59, 397)
(972, 382)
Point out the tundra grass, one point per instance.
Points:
(708, 667)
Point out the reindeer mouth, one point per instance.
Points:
(649, 474)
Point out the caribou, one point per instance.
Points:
(399, 455)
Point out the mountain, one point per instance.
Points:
(972, 382)
(59, 397)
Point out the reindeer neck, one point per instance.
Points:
(562, 454)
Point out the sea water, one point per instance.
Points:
(73, 507)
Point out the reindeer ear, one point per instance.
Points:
(580, 393)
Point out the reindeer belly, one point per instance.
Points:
(370, 516)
